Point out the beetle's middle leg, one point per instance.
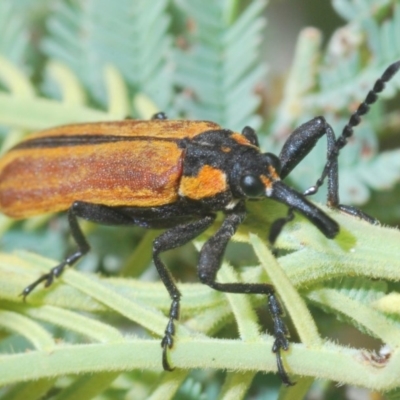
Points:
(170, 239)
(210, 261)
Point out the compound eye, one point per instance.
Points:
(252, 186)
(272, 160)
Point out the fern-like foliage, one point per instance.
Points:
(359, 10)
(96, 337)
(13, 32)
(363, 292)
(133, 36)
(222, 64)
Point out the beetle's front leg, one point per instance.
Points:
(298, 145)
(210, 261)
(302, 140)
(347, 133)
(172, 238)
(312, 131)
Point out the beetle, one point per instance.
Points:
(176, 175)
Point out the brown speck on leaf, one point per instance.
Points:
(377, 360)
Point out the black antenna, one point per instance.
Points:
(354, 120)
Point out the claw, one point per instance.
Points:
(281, 342)
(48, 279)
(281, 370)
(168, 340)
(166, 343)
(281, 337)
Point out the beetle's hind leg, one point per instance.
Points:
(92, 212)
(83, 248)
(172, 238)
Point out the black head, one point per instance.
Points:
(253, 174)
(257, 175)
